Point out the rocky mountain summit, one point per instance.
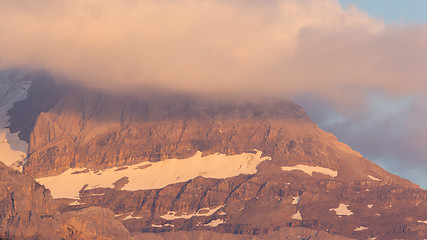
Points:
(174, 166)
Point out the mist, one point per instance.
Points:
(301, 49)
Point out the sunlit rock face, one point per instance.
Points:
(29, 212)
(84, 128)
(169, 162)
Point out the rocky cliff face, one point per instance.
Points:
(82, 139)
(77, 127)
(27, 211)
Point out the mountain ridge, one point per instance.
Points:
(86, 123)
(304, 177)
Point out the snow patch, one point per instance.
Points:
(214, 223)
(13, 151)
(95, 194)
(203, 212)
(156, 175)
(361, 228)
(310, 169)
(373, 178)
(295, 200)
(370, 205)
(131, 217)
(164, 225)
(297, 216)
(76, 203)
(425, 222)
(342, 210)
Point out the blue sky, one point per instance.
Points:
(393, 11)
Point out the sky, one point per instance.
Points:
(358, 69)
(393, 11)
(382, 131)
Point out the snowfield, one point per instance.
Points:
(153, 175)
(310, 169)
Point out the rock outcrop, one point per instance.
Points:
(258, 204)
(286, 233)
(27, 211)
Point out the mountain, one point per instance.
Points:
(29, 212)
(188, 167)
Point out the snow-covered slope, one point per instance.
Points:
(13, 88)
(154, 175)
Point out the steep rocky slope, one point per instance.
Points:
(77, 127)
(27, 211)
(171, 163)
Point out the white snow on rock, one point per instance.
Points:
(310, 169)
(361, 228)
(297, 216)
(370, 205)
(425, 222)
(164, 225)
(131, 217)
(95, 195)
(295, 200)
(13, 151)
(342, 210)
(76, 203)
(214, 223)
(373, 178)
(203, 212)
(153, 175)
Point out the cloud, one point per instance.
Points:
(389, 131)
(293, 48)
(190, 45)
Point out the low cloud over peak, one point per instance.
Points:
(190, 45)
(241, 48)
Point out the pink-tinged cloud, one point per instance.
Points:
(190, 45)
(231, 47)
